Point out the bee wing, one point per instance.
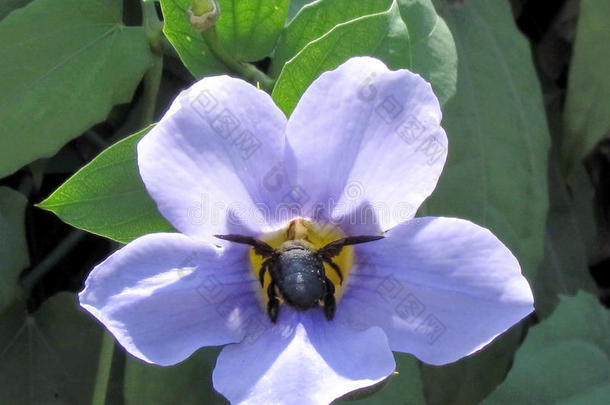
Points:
(334, 248)
(260, 247)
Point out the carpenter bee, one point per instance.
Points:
(297, 269)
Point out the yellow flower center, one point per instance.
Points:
(319, 236)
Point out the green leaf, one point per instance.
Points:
(584, 204)
(498, 146)
(564, 269)
(14, 255)
(433, 52)
(597, 395)
(570, 230)
(383, 35)
(498, 136)
(189, 382)
(50, 357)
(9, 5)
(487, 368)
(189, 44)
(315, 20)
(66, 64)
(587, 110)
(248, 29)
(295, 6)
(107, 196)
(564, 358)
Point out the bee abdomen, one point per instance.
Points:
(301, 279)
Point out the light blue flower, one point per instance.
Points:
(359, 154)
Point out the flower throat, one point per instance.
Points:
(303, 265)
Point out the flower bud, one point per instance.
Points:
(203, 14)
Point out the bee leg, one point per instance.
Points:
(273, 306)
(261, 272)
(334, 248)
(329, 300)
(336, 268)
(260, 247)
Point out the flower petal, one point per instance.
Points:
(163, 296)
(304, 359)
(441, 288)
(364, 134)
(204, 163)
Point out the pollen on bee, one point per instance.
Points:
(318, 235)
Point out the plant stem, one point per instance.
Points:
(153, 27)
(30, 279)
(152, 79)
(103, 370)
(152, 82)
(245, 70)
